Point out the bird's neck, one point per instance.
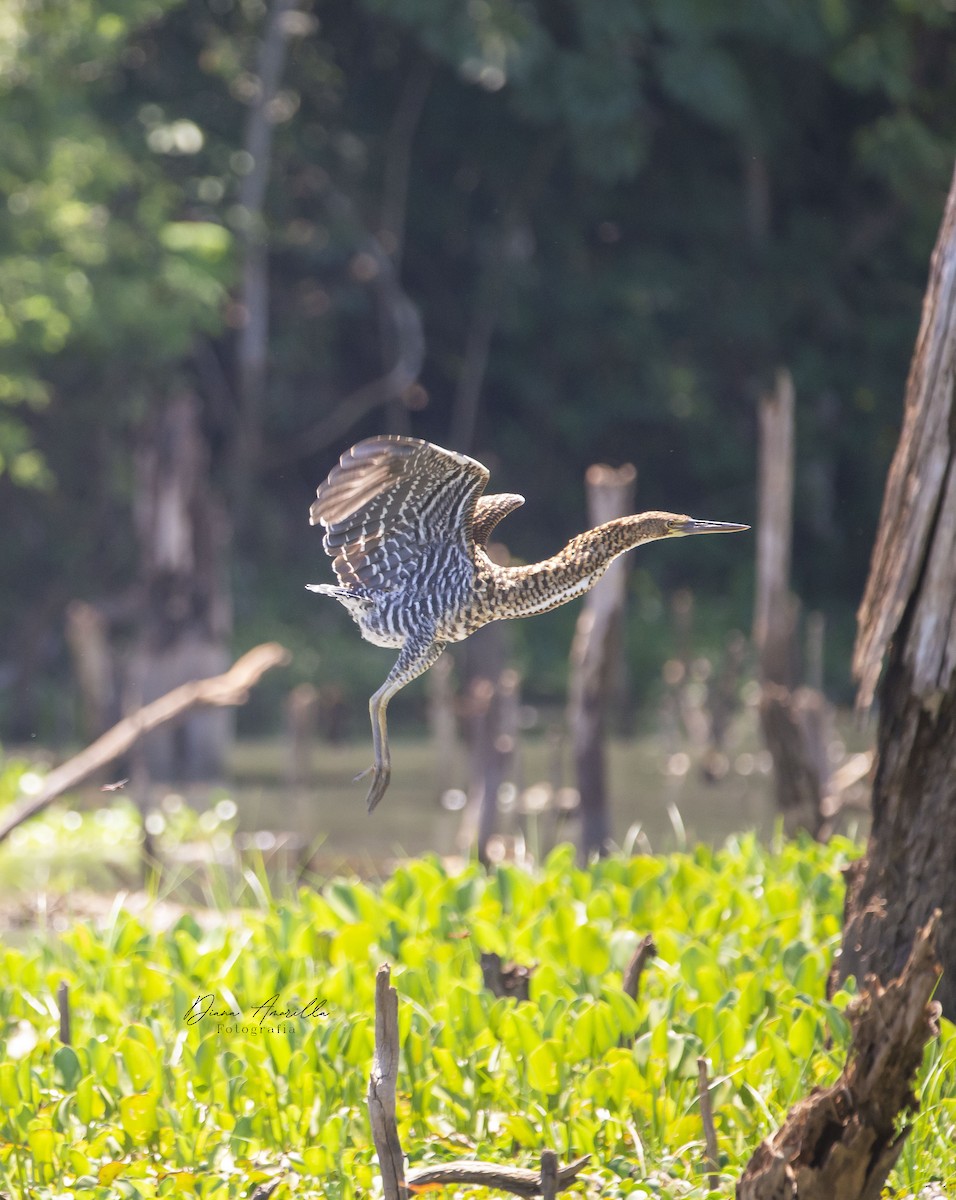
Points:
(539, 587)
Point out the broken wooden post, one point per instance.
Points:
(396, 1183)
(381, 1088)
(442, 722)
(63, 1004)
(711, 1156)
(549, 1175)
(490, 712)
(796, 756)
(610, 494)
(301, 720)
(88, 639)
(644, 951)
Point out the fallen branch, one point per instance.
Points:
(230, 688)
(520, 1181)
(845, 1139)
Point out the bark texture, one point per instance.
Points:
(841, 1142)
(908, 613)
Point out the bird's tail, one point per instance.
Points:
(329, 589)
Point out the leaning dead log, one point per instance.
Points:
(842, 1141)
(230, 688)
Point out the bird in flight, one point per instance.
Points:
(407, 526)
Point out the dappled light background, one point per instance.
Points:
(237, 238)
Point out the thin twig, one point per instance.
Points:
(230, 688)
(711, 1162)
(381, 1088)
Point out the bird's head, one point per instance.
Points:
(666, 525)
(682, 526)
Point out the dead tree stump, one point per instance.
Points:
(187, 616)
(610, 494)
(908, 615)
(797, 746)
(841, 1142)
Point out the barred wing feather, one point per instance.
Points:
(391, 504)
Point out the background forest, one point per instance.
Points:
(544, 233)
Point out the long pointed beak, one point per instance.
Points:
(709, 527)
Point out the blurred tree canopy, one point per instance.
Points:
(544, 232)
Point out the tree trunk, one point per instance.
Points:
(594, 651)
(187, 614)
(88, 638)
(909, 611)
(252, 339)
(490, 712)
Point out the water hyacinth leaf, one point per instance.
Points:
(802, 1035)
(141, 1064)
(138, 1116)
(450, 1072)
(732, 1034)
(67, 1066)
(41, 1140)
(521, 1130)
(588, 950)
(278, 1042)
(545, 1064)
(9, 1092)
(621, 1080)
(110, 1172)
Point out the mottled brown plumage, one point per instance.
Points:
(406, 526)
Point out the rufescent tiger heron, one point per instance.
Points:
(406, 526)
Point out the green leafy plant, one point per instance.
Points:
(233, 1047)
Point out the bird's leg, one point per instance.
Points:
(418, 654)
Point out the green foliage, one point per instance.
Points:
(154, 1099)
(665, 201)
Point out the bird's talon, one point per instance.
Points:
(362, 774)
(381, 776)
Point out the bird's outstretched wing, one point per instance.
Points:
(489, 511)
(391, 502)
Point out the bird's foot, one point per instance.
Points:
(381, 774)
